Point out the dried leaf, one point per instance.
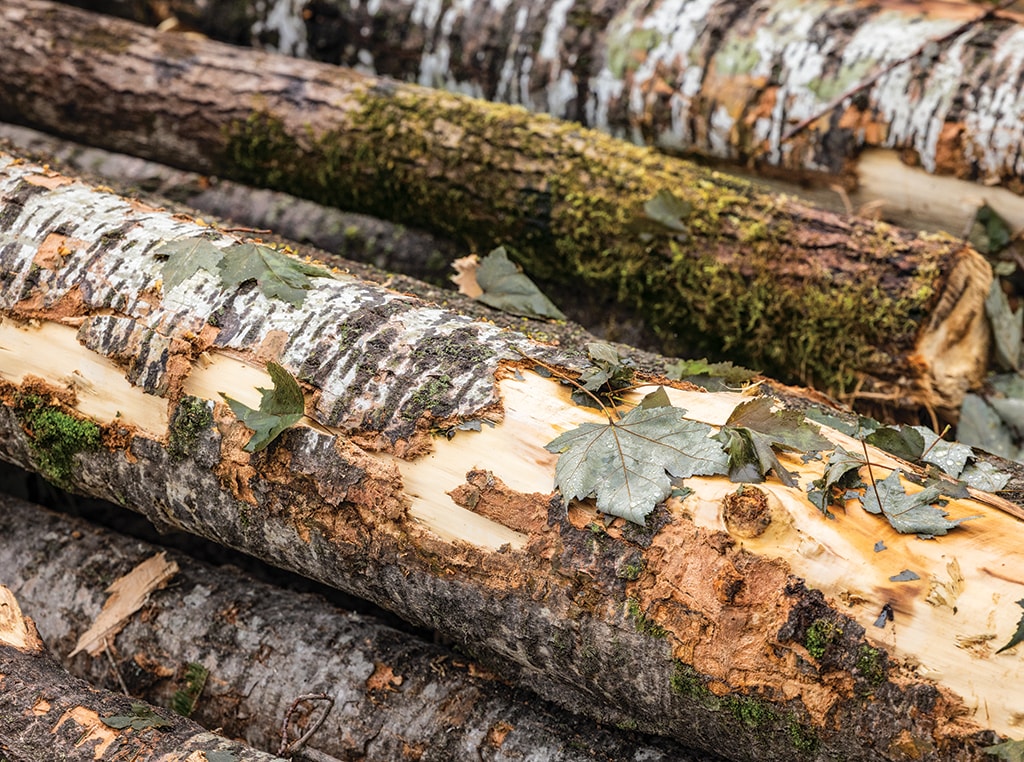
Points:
(909, 514)
(278, 275)
(280, 407)
(668, 211)
(841, 472)
(504, 287)
(713, 376)
(627, 464)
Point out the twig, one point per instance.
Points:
(871, 473)
(289, 748)
(870, 80)
(928, 449)
(113, 667)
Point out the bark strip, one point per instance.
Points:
(797, 293)
(394, 695)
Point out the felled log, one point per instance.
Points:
(48, 714)
(355, 237)
(852, 93)
(264, 647)
(792, 291)
(692, 627)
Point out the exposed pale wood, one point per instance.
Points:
(464, 536)
(265, 645)
(845, 303)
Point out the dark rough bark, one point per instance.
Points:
(729, 79)
(677, 627)
(395, 697)
(794, 292)
(45, 714)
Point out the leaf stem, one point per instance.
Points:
(871, 473)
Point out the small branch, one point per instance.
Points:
(114, 669)
(287, 748)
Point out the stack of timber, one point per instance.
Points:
(915, 107)
(803, 295)
(262, 647)
(693, 627)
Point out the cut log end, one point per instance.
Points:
(953, 348)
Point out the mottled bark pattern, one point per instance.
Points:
(720, 77)
(797, 293)
(264, 646)
(673, 628)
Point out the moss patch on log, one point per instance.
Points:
(55, 437)
(562, 200)
(191, 417)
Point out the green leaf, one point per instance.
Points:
(278, 275)
(1009, 751)
(185, 257)
(668, 210)
(1007, 327)
(627, 464)
(909, 514)
(506, 288)
(751, 456)
(951, 457)
(701, 372)
(280, 407)
(903, 442)
(658, 398)
(985, 476)
(607, 372)
(1017, 636)
(842, 472)
(221, 755)
(141, 717)
(990, 233)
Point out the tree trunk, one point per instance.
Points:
(356, 237)
(795, 292)
(111, 379)
(48, 714)
(860, 92)
(265, 646)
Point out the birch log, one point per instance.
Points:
(791, 291)
(820, 92)
(394, 695)
(48, 714)
(111, 385)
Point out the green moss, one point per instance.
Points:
(641, 622)
(191, 417)
(752, 712)
(871, 665)
(630, 570)
(56, 437)
(716, 292)
(803, 738)
(820, 635)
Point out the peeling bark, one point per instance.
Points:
(935, 84)
(797, 293)
(394, 696)
(678, 628)
(48, 714)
